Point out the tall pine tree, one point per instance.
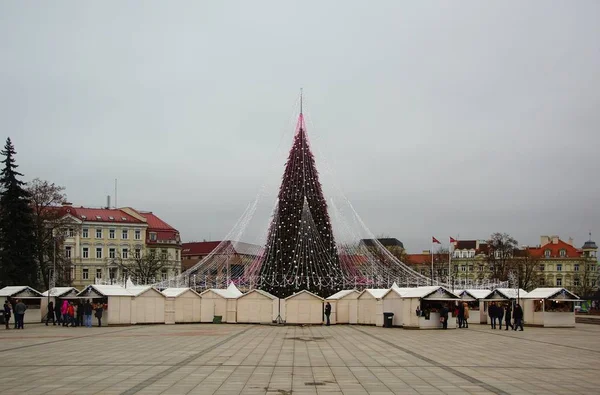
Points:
(17, 241)
(300, 253)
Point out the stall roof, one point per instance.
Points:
(551, 293)
(106, 290)
(376, 293)
(232, 292)
(260, 291)
(474, 293)
(505, 293)
(175, 292)
(342, 294)
(22, 291)
(60, 291)
(304, 291)
(433, 292)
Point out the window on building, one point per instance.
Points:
(164, 254)
(85, 233)
(445, 272)
(68, 252)
(547, 253)
(480, 268)
(112, 273)
(542, 267)
(563, 253)
(463, 268)
(111, 233)
(98, 273)
(576, 281)
(112, 253)
(457, 254)
(138, 253)
(164, 274)
(152, 236)
(559, 267)
(98, 252)
(559, 282)
(72, 273)
(71, 232)
(124, 234)
(576, 267)
(85, 252)
(138, 234)
(471, 254)
(85, 274)
(470, 268)
(98, 233)
(125, 253)
(177, 257)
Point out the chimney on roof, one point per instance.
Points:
(108, 201)
(570, 241)
(555, 239)
(544, 240)
(426, 252)
(67, 204)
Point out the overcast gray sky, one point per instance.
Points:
(439, 118)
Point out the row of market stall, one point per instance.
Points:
(414, 308)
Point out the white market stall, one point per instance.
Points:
(421, 307)
(344, 307)
(183, 305)
(56, 294)
(220, 303)
(503, 297)
(304, 307)
(148, 305)
(29, 296)
(370, 307)
(257, 307)
(475, 300)
(392, 303)
(550, 307)
(116, 299)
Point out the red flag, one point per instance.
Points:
(434, 240)
(452, 240)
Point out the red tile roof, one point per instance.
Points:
(98, 214)
(417, 259)
(570, 251)
(198, 248)
(164, 231)
(154, 222)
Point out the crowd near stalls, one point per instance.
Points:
(344, 307)
(475, 299)
(427, 307)
(27, 295)
(550, 307)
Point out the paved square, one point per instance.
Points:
(247, 359)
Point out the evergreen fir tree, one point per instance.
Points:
(17, 241)
(300, 253)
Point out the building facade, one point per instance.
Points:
(98, 240)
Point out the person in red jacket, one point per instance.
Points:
(71, 313)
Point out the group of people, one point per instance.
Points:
(497, 312)
(462, 314)
(74, 313)
(19, 309)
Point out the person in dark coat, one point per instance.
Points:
(57, 313)
(87, 311)
(20, 308)
(500, 315)
(79, 313)
(99, 310)
(492, 314)
(444, 317)
(50, 315)
(327, 312)
(518, 317)
(508, 315)
(461, 315)
(6, 313)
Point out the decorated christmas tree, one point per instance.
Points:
(300, 253)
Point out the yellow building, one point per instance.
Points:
(98, 240)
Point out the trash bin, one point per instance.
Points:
(388, 320)
(217, 319)
(2, 319)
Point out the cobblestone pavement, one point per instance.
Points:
(247, 359)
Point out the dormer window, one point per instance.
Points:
(98, 217)
(123, 219)
(547, 253)
(152, 236)
(83, 217)
(111, 218)
(563, 253)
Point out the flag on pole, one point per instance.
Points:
(434, 240)
(452, 239)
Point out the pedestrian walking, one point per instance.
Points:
(461, 315)
(466, 315)
(492, 314)
(327, 312)
(57, 313)
(50, 315)
(64, 310)
(71, 314)
(518, 317)
(444, 316)
(80, 312)
(500, 315)
(6, 313)
(508, 315)
(99, 310)
(20, 308)
(87, 311)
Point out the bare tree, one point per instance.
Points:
(146, 267)
(440, 265)
(527, 270)
(46, 197)
(501, 250)
(586, 279)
